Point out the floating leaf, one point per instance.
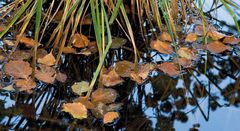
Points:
(69, 50)
(186, 53)
(80, 41)
(21, 55)
(92, 47)
(85, 52)
(80, 87)
(46, 74)
(183, 61)
(124, 68)
(137, 78)
(199, 29)
(165, 37)
(215, 35)
(9, 42)
(162, 47)
(99, 110)
(61, 77)
(191, 37)
(77, 110)
(145, 69)
(217, 47)
(25, 84)
(231, 40)
(104, 95)
(118, 42)
(8, 88)
(27, 41)
(114, 106)
(18, 69)
(170, 68)
(110, 117)
(85, 102)
(111, 78)
(48, 60)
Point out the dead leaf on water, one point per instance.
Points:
(46, 74)
(84, 100)
(170, 68)
(137, 78)
(80, 41)
(104, 95)
(165, 37)
(183, 62)
(200, 32)
(21, 55)
(77, 110)
(18, 69)
(109, 117)
(162, 47)
(69, 50)
(186, 53)
(25, 84)
(80, 87)
(61, 77)
(217, 47)
(118, 42)
(124, 68)
(231, 40)
(215, 35)
(27, 41)
(48, 60)
(191, 37)
(111, 78)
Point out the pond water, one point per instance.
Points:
(197, 100)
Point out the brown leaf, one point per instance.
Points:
(162, 47)
(85, 102)
(145, 69)
(21, 55)
(92, 47)
(137, 78)
(104, 95)
(46, 74)
(200, 32)
(48, 60)
(170, 68)
(191, 37)
(231, 40)
(59, 15)
(215, 35)
(183, 62)
(217, 47)
(69, 50)
(165, 37)
(25, 84)
(27, 41)
(124, 68)
(186, 53)
(2, 28)
(80, 41)
(86, 21)
(110, 117)
(111, 78)
(61, 77)
(77, 110)
(18, 69)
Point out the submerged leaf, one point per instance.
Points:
(18, 69)
(104, 95)
(77, 110)
(80, 41)
(118, 42)
(46, 74)
(124, 68)
(25, 84)
(170, 68)
(191, 37)
(109, 117)
(217, 47)
(165, 37)
(80, 87)
(111, 78)
(162, 47)
(48, 60)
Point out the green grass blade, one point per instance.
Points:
(115, 12)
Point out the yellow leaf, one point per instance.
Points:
(77, 110)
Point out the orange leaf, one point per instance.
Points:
(25, 84)
(18, 69)
(80, 41)
(165, 37)
(104, 95)
(186, 53)
(215, 35)
(217, 47)
(183, 62)
(231, 40)
(69, 50)
(162, 47)
(111, 78)
(2, 28)
(124, 68)
(170, 68)
(48, 60)
(27, 41)
(85, 102)
(200, 32)
(77, 110)
(191, 37)
(86, 21)
(110, 117)
(46, 74)
(137, 78)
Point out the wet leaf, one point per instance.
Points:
(162, 47)
(199, 29)
(85, 102)
(124, 68)
(45, 74)
(85, 52)
(48, 60)
(80, 87)
(77, 110)
(92, 47)
(191, 37)
(109, 117)
(111, 78)
(59, 15)
(80, 41)
(170, 68)
(2, 28)
(104, 95)
(165, 37)
(215, 35)
(21, 55)
(25, 84)
(18, 69)
(8, 88)
(61, 77)
(118, 42)
(69, 50)
(86, 21)
(231, 40)
(41, 53)
(99, 110)
(10, 43)
(217, 47)
(114, 106)
(145, 69)
(183, 62)
(186, 53)
(137, 78)
(27, 41)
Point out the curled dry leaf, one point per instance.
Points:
(27, 41)
(183, 62)
(217, 47)
(231, 40)
(215, 35)
(80, 87)
(104, 95)
(162, 47)
(170, 68)
(48, 60)
(69, 50)
(186, 53)
(109, 117)
(77, 110)
(191, 37)
(61, 77)
(111, 78)
(25, 84)
(85, 102)
(80, 41)
(124, 68)
(45, 74)
(165, 37)
(18, 69)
